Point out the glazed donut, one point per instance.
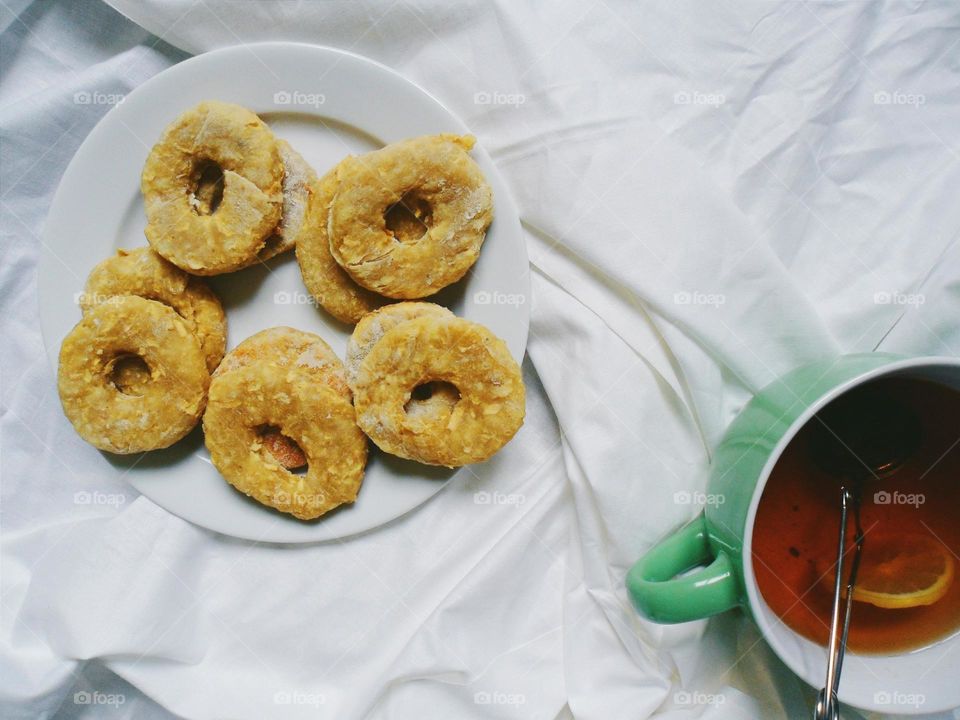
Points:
(318, 419)
(284, 347)
(488, 413)
(328, 283)
(168, 406)
(142, 272)
(409, 219)
(212, 189)
(298, 177)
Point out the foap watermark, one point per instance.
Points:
(688, 698)
(95, 497)
(485, 497)
(685, 297)
(883, 497)
(698, 497)
(497, 697)
(499, 298)
(899, 298)
(85, 298)
(95, 97)
(98, 698)
(895, 698)
(285, 297)
(499, 98)
(299, 98)
(299, 697)
(898, 97)
(282, 497)
(695, 97)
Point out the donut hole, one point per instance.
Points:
(282, 449)
(436, 399)
(207, 191)
(409, 219)
(129, 373)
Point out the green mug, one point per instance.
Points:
(705, 567)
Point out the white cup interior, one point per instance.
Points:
(920, 681)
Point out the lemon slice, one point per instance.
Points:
(903, 571)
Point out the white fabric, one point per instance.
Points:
(712, 193)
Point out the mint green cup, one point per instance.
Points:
(705, 568)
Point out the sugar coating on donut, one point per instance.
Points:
(376, 324)
(157, 412)
(430, 183)
(143, 272)
(320, 420)
(212, 189)
(329, 284)
(489, 410)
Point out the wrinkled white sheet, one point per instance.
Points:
(712, 193)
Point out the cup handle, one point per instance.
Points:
(658, 594)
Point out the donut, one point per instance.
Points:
(284, 347)
(212, 189)
(142, 272)
(328, 283)
(374, 325)
(464, 354)
(409, 219)
(164, 409)
(298, 177)
(320, 420)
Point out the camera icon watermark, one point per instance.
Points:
(687, 698)
(298, 697)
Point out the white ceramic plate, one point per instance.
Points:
(327, 103)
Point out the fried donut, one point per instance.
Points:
(318, 419)
(488, 413)
(298, 176)
(285, 347)
(378, 323)
(212, 189)
(326, 281)
(142, 272)
(409, 219)
(168, 407)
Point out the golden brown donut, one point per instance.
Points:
(320, 420)
(142, 272)
(298, 177)
(212, 189)
(328, 283)
(409, 219)
(168, 406)
(464, 354)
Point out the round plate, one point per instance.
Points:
(328, 104)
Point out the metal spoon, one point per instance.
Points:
(862, 437)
